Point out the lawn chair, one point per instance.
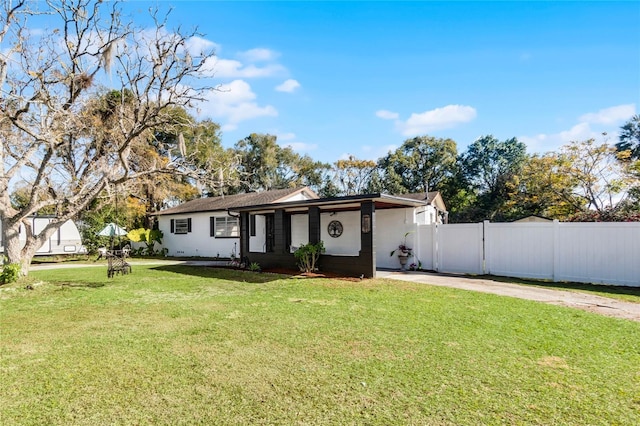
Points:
(117, 263)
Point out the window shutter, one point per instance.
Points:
(212, 226)
(173, 225)
(189, 225)
(252, 225)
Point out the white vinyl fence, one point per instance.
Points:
(603, 253)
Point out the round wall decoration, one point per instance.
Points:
(335, 228)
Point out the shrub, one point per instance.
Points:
(308, 255)
(147, 236)
(254, 267)
(10, 273)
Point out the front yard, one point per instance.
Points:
(183, 345)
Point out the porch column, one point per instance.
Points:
(314, 225)
(367, 239)
(244, 234)
(280, 232)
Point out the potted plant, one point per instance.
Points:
(403, 252)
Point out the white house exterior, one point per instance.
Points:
(66, 240)
(358, 232)
(206, 227)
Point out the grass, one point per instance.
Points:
(172, 345)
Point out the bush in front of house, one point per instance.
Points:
(307, 256)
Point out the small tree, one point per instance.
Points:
(308, 255)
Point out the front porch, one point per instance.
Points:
(348, 227)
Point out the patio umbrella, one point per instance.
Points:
(112, 230)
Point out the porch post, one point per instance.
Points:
(280, 232)
(244, 234)
(314, 225)
(367, 239)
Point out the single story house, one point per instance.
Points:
(207, 227)
(358, 231)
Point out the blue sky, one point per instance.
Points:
(337, 78)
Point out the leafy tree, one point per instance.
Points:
(629, 156)
(421, 164)
(542, 188)
(489, 166)
(265, 165)
(601, 181)
(353, 176)
(629, 139)
(65, 137)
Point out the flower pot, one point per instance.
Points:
(403, 258)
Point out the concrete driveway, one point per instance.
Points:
(588, 302)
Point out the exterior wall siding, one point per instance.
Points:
(198, 242)
(348, 243)
(391, 227)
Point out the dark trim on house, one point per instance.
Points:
(363, 264)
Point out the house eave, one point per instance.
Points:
(350, 202)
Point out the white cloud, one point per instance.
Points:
(373, 152)
(387, 115)
(198, 45)
(286, 136)
(436, 119)
(611, 115)
(288, 86)
(233, 104)
(301, 146)
(590, 126)
(296, 146)
(258, 55)
(229, 68)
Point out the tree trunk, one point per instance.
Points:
(15, 251)
(13, 247)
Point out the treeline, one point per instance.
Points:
(492, 179)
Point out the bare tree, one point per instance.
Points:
(68, 137)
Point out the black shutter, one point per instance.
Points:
(173, 225)
(189, 225)
(252, 225)
(212, 226)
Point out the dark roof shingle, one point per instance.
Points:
(229, 201)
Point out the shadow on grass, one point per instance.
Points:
(221, 273)
(79, 284)
(599, 288)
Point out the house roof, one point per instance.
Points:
(431, 197)
(351, 202)
(227, 202)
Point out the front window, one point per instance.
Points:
(181, 226)
(227, 227)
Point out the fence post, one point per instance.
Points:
(486, 253)
(435, 247)
(556, 249)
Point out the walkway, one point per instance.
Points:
(585, 301)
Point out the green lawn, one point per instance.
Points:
(176, 345)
